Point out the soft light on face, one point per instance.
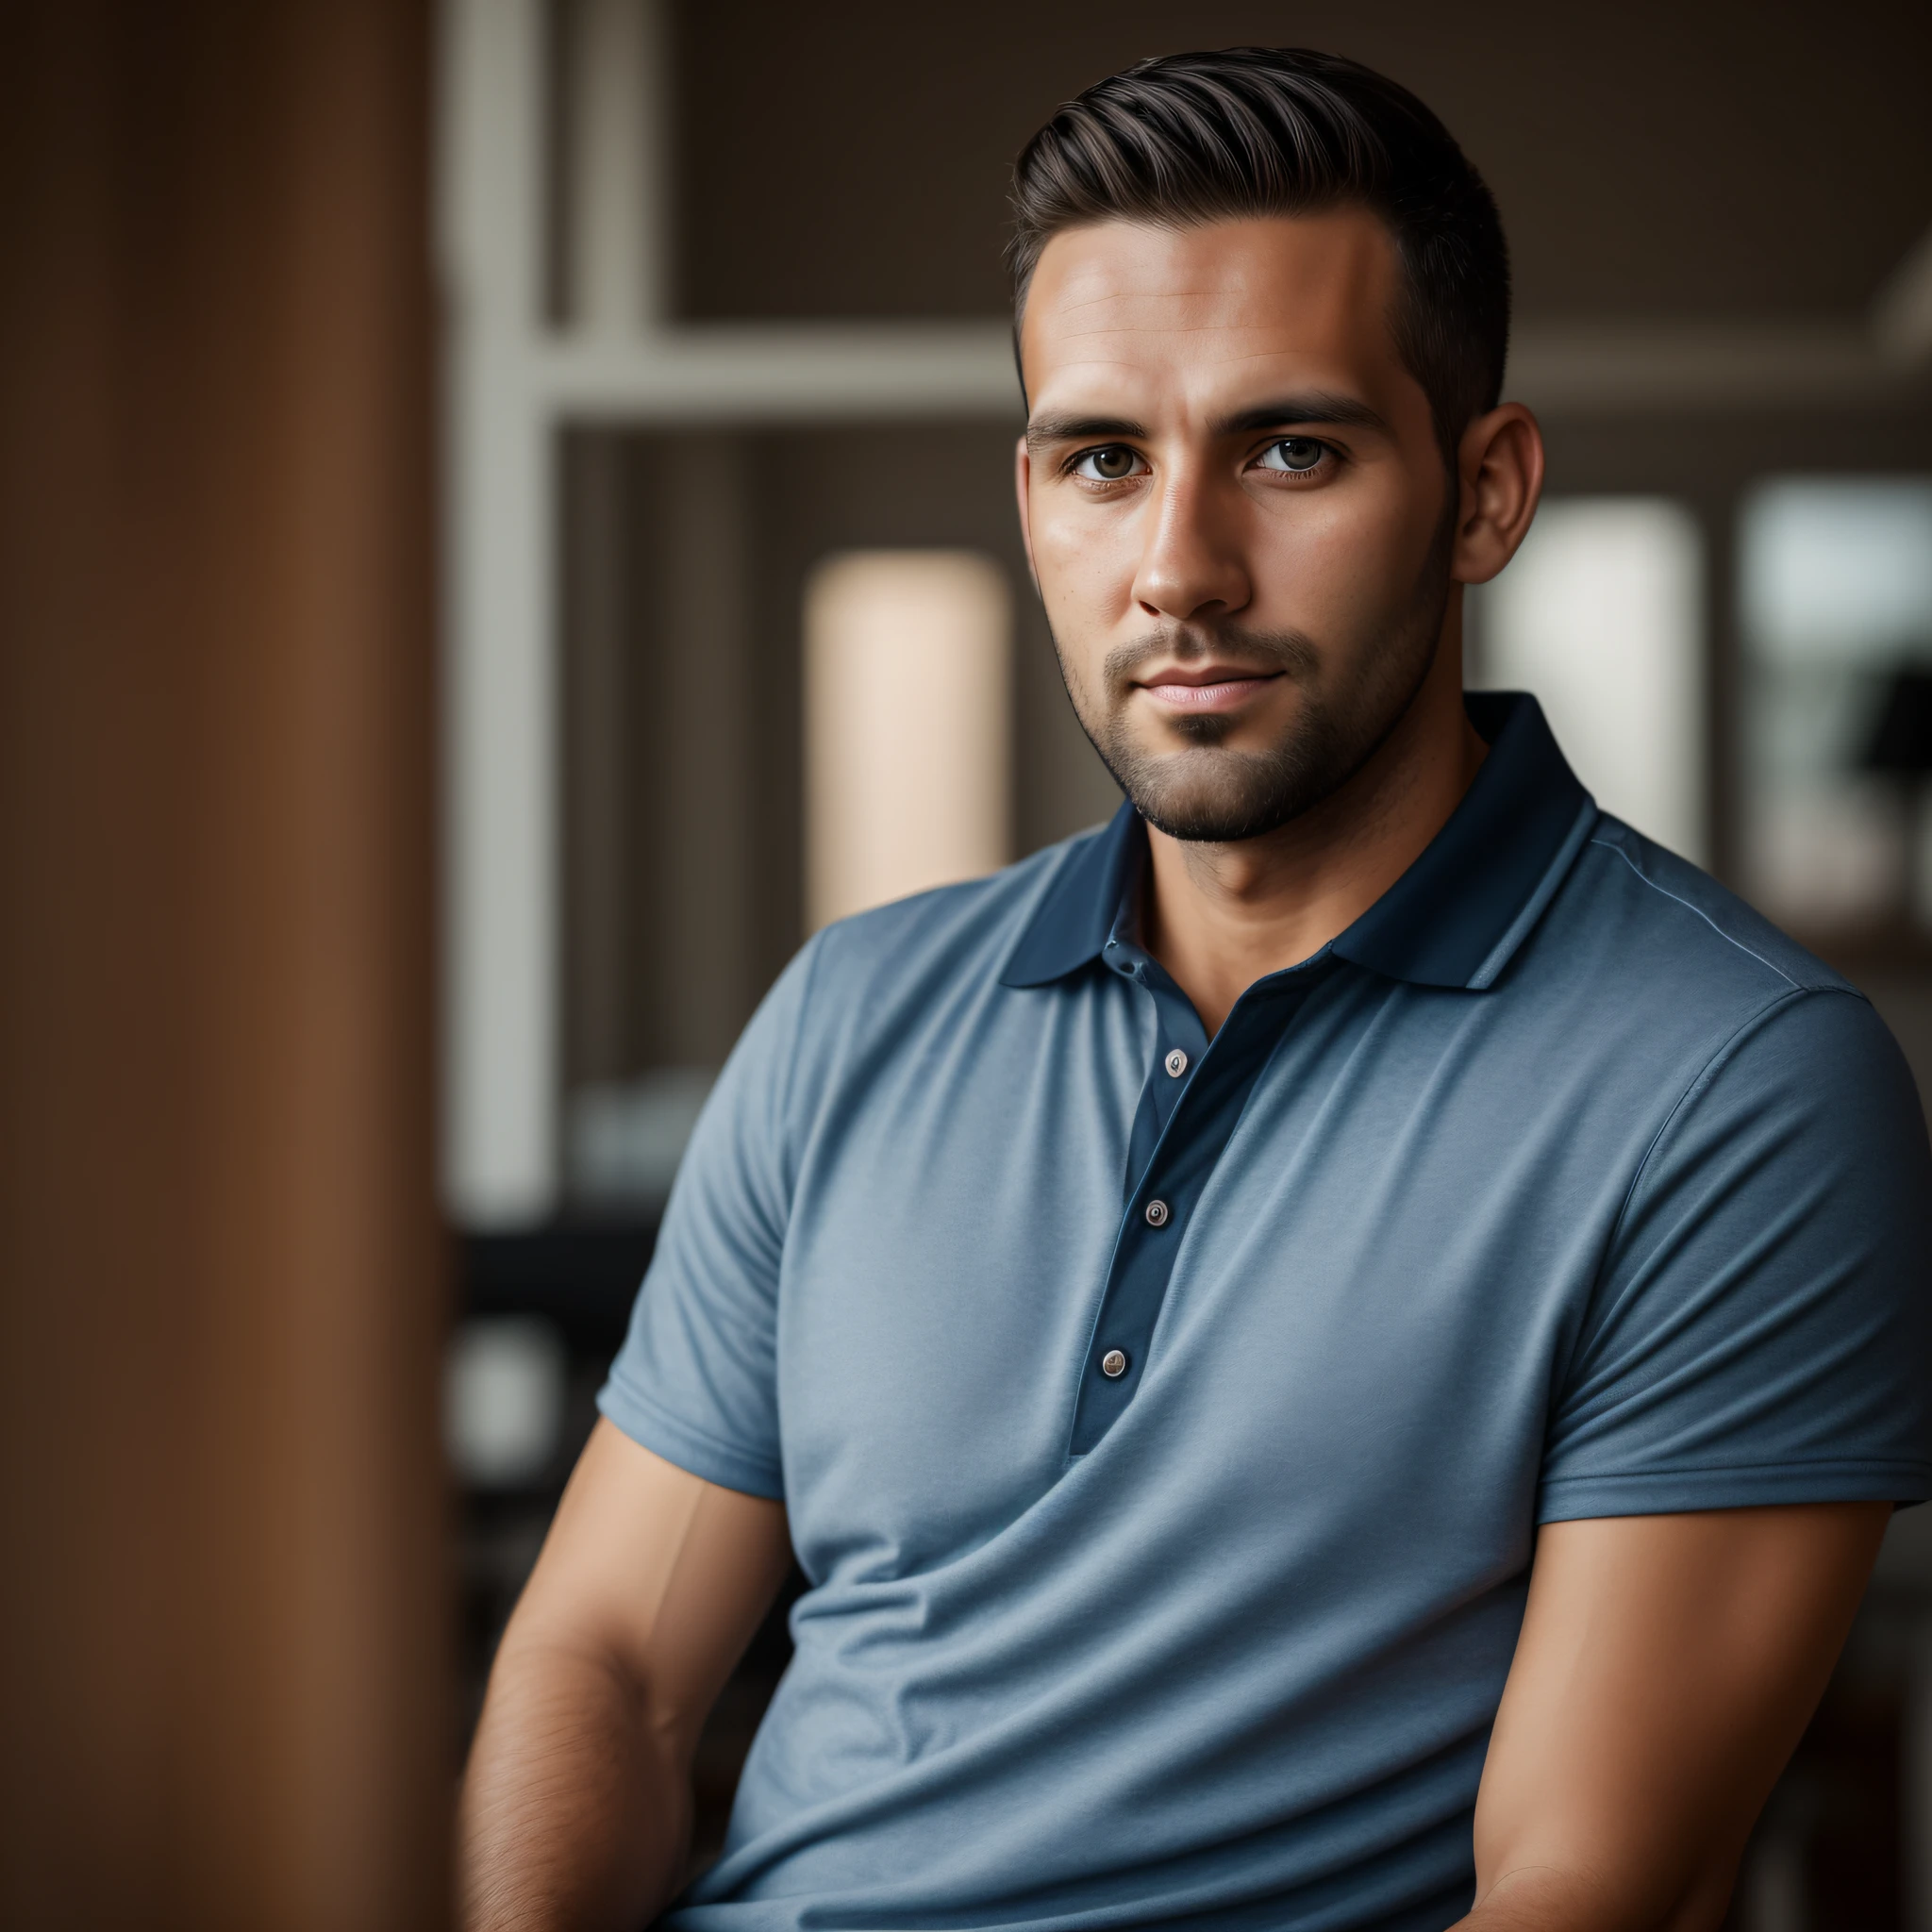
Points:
(1236, 507)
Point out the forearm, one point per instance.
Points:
(575, 1812)
(1548, 1898)
(1526, 1902)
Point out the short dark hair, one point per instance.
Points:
(1250, 132)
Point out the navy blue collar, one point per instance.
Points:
(1452, 919)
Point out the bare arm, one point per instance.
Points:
(1667, 1667)
(576, 1807)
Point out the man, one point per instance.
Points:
(1335, 1354)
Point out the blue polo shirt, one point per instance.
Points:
(1164, 1422)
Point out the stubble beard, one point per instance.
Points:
(1211, 794)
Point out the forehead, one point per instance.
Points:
(1206, 312)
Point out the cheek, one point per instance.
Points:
(1341, 562)
(1086, 566)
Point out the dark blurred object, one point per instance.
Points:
(1900, 747)
(580, 1278)
(1900, 740)
(222, 1646)
(583, 1276)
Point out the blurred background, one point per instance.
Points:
(487, 495)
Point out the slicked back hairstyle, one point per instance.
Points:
(1254, 131)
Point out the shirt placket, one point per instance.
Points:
(1193, 1096)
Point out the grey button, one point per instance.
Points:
(1113, 1365)
(1157, 1214)
(1176, 1063)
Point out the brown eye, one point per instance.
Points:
(1106, 465)
(1296, 454)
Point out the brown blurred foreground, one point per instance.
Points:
(221, 1670)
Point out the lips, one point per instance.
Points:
(1205, 688)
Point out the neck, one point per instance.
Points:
(1219, 917)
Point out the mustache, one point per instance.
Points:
(1291, 652)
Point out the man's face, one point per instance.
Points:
(1236, 507)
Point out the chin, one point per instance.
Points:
(1217, 798)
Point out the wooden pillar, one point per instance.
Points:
(222, 1648)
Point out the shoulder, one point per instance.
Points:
(1669, 968)
(930, 959)
(957, 931)
(1678, 921)
(1651, 981)
(872, 999)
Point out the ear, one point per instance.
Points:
(1500, 471)
(1023, 477)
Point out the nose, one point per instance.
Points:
(1191, 566)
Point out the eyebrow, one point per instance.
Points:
(1048, 429)
(1317, 406)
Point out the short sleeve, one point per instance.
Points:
(695, 1379)
(1759, 1332)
